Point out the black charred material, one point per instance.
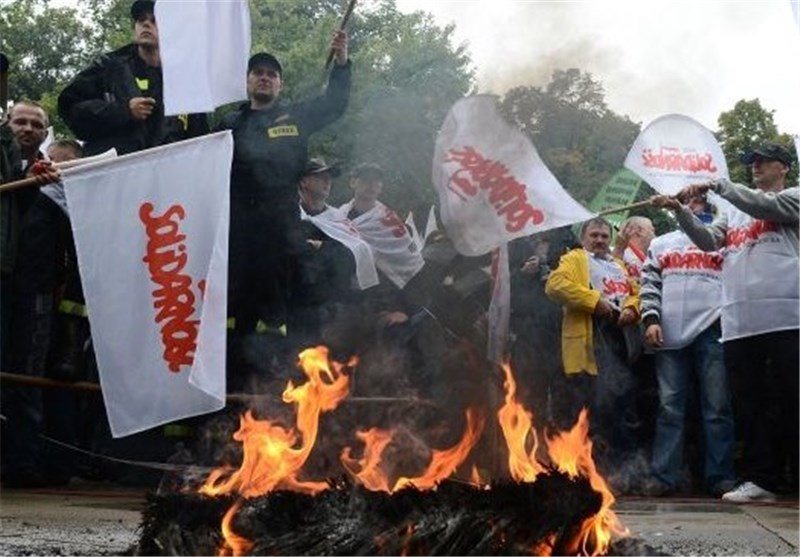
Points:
(456, 519)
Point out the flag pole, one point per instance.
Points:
(41, 180)
(342, 24)
(645, 203)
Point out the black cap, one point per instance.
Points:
(771, 151)
(318, 166)
(264, 59)
(140, 7)
(368, 170)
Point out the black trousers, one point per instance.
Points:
(763, 371)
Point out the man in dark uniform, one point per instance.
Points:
(118, 101)
(270, 153)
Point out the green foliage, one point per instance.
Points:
(578, 137)
(747, 126)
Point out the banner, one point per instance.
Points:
(412, 229)
(336, 225)
(499, 314)
(396, 253)
(151, 234)
(431, 226)
(619, 191)
(674, 151)
(204, 50)
(492, 185)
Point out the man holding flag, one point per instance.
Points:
(118, 101)
(760, 314)
(270, 152)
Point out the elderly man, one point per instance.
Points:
(118, 101)
(599, 301)
(758, 229)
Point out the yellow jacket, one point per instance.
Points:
(569, 285)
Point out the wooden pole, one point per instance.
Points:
(644, 203)
(89, 387)
(40, 180)
(342, 24)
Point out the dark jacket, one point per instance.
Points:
(95, 106)
(271, 145)
(13, 204)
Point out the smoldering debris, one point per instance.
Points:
(509, 518)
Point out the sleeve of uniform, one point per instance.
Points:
(84, 105)
(782, 207)
(707, 238)
(564, 286)
(328, 107)
(650, 293)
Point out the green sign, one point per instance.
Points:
(619, 191)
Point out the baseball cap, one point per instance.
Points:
(264, 59)
(771, 151)
(318, 166)
(140, 7)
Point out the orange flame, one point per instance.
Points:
(234, 543)
(368, 472)
(571, 452)
(517, 426)
(271, 457)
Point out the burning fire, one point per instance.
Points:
(274, 455)
(442, 465)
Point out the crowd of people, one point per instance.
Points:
(688, 340)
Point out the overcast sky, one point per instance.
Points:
(653, 57)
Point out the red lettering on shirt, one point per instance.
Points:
(737, 237)
(693, 259)
(507, 196)
(672, 159)
(613, 287)
(174, 300)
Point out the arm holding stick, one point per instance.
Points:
(339, 45)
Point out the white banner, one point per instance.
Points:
(204, 48)
(431, 226)
(797, 148)
(336, 225)
(674, 151)
(151, 233)
(492, 185)
(499, 314)
(396, 253)
(412, 229)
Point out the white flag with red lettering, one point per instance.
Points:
(151, 232)
(674, 151)
(493, 186)
(204, 47)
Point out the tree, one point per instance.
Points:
(580, 139)
(745, 127)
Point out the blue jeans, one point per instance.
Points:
(703, 357)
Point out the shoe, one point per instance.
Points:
(721, 488)
(748, 492)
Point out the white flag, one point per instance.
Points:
(151, 233)
(396, 254)
(492, 185)
(412, 229)
(431, 226)
(336, 225)
(674, 151)
(499, 315)
(204, 48)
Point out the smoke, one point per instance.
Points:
(652, 58)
